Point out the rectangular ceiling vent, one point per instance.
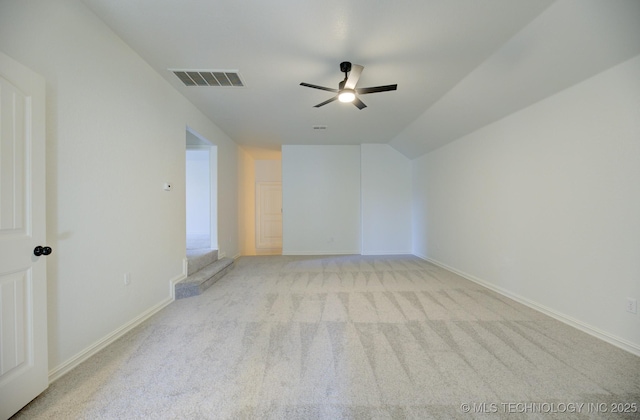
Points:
(217, 78)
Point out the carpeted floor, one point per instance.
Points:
(338, 337)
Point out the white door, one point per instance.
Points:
(23, 292)
(269, 215)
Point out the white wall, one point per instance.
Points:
(325, 186)
(115, 134)
(386, 200)
(544, 204)
(198, 191)
(321, 199)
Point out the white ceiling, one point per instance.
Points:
(459, 64)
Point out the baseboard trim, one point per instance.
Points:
(310, 253)
(268, 252)
(61, 370)
(387, 253)
(582, 326)
(178, 279)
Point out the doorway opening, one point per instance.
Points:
(201, 191)
(268, 218)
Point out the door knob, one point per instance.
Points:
(42, 250)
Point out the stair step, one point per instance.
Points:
(199, 258)
(200, 281)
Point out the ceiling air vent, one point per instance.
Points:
(219, 78)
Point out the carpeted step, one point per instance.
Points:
(200, 258)
(200, 281)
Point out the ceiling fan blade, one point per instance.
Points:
(357, 102)
(326, 102)
(354, 75)
(375, 89)
(319, 87)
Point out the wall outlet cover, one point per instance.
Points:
(632, 305)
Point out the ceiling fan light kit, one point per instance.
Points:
(347, 95)
(347, 90)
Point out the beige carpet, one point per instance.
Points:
(346, 337)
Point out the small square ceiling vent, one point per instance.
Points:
(217, 78)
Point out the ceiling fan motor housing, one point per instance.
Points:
(345, 67)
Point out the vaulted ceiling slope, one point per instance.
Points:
(459, 64)
(570, 42)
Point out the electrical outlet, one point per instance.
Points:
(632, 305)
(127, 279)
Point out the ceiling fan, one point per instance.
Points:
(347, 89)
